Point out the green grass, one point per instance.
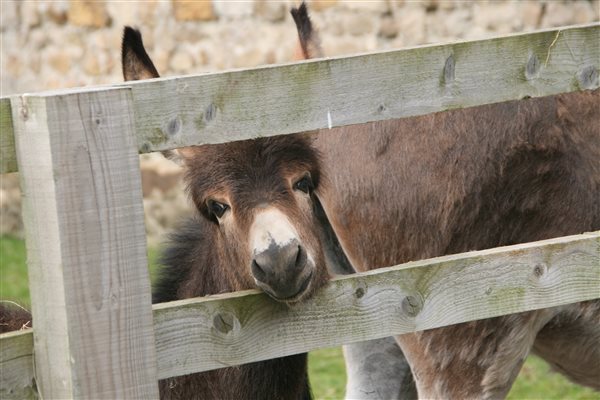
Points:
(326, 366)
(13, 271)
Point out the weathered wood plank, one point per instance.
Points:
(90, 288)
(8, 159)
(231, 329)
(219, 331)
(349, 90)
(16, 366)
(214, 108)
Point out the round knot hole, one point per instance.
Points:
(539, 270)
(412, 305)
(360, 292)
(223, 322)
(588, 77)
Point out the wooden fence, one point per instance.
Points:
(96, 335)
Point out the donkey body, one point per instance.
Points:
(473, 179)
(461, 180)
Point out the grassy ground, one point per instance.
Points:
(326, 366)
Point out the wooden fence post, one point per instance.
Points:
(86, 246)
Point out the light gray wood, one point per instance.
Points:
(8, 159)
(214, 108)
(86, 246)
(226, 330)
(231, 329)
(16, 366)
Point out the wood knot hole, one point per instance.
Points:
(412, 305)
(539, 270)
(223, 322)
(360, 292)
(449, 70)
(588, 77)
(145, 147)
(210, 113)
(533, 67)
(174, 126)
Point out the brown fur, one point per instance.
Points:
(194, 266)
(463, 180)
(438, 184)
(469, 179)
(210, 255)
(13, 317)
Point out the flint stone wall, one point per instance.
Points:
(56, 44)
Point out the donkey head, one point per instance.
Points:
(259, 198)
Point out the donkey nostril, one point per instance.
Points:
(257, 271)
(300, 257)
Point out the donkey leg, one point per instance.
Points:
(376, 370)
(479, 359)
(570, 343)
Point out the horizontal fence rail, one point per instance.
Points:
(225, 330)
(214, 108)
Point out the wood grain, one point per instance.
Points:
(8, 158)
(414, 296)
(86, 247)
(304, 96)
(231, 329)
(16, 366)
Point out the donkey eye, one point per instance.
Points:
(304, 184)
(217, 209)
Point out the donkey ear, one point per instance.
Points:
(180, 155)
(309, 42)
(135, 61)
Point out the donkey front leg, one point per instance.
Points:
(377, 370)
(570, 343)
(474, 360)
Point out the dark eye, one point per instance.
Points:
(217, 209)
(304, 184)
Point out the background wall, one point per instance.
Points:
(56, 44)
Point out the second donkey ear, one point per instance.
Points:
(135, 61)
(309, 44)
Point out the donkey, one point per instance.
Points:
(194, 265)
(255, 207)
(461, 180)
(455, 181)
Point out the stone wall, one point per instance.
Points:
(57, 44)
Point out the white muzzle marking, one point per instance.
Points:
(271, 227)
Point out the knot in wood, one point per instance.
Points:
(412, 305)
(449, 70)
(588, 77)
(174, 126)
(533, 67)
(210, 113)
(224, 322)
(539, 270)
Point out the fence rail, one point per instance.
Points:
(95, 335)
(213, 108)
(231, 329)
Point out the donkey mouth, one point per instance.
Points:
(302, 290)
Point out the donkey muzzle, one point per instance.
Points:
(283, 271)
